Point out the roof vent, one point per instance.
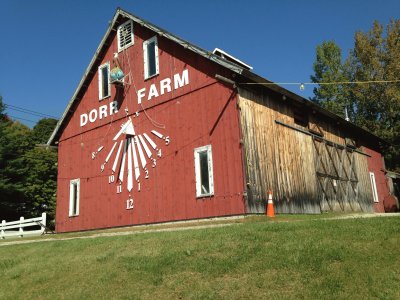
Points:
(228, 57)
(125, 35)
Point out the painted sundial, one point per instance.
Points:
(130, 157)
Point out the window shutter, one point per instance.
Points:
(125, 35)
(210, 170)
(203, 158)
(373, 186)
(150, 57)
(156, 55)
(74, 194)
(145, 61)
(104, 81)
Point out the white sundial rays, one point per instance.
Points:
(133, 154)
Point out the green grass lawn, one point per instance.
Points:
(311, 259)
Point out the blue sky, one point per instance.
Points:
(47, 45)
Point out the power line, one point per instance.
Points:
(25, 112)
(28, 111)
(353, 82)
(302, 84)
(22, 119)
(324, 83)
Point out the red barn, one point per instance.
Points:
(160, 130)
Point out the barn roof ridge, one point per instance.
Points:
(241, 71)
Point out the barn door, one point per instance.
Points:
(336, 176)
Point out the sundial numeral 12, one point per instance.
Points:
(129, 203)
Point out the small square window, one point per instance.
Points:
(74, 191)
(125, 35)
(204, 171)
(150, 57)
(104, 81)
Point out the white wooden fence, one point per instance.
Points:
(16, 228)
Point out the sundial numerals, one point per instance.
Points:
(130, 157)
(94, 153)
(167, 140)
(129, 203)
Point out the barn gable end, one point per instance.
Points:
(133, 151)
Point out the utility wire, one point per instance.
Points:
(25, 112)
(322, 83)
(22, 119)
(28, 111)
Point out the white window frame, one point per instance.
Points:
(121, 48)
(100, 77)
(145, 60)
(199, 191)
(373, 186)
(74, 211)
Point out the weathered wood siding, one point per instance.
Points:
(365, 197)
(306, 174)
(276, 158)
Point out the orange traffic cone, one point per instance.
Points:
(270, 212)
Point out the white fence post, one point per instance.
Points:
(43, 222)
(3, 223)
(21, 229)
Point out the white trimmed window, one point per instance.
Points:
(150, 57)
(373, 185)
(104, 81)
(204, 171)
(125, 35)
(74, 191)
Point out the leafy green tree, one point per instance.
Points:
(5, 207)
(2, 109)
(374, 106)
(14, 141)
(42, 130)
(41, 172)
(376, 57)
(28, 174)
(40, 181)
(328, 68)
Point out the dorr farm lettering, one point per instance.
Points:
(155, 90)
(164, 86)
(102, 112)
